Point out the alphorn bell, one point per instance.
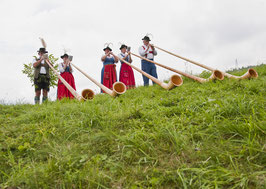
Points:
(118, 87)
(251, 73)
(198, 79)
(175, 80)
(73, 92)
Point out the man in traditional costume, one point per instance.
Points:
(41, 76)
(147, 51)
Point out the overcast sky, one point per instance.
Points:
(213, 32)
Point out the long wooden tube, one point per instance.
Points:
(251, 73)
(118, 87)
(174, 81)
(215, 75)
(73, 92)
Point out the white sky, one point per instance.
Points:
(213, 32)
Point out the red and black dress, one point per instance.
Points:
(108, 74)
(62, 91)
(126, 73)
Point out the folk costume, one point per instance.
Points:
(146, 66)
(126, 73)
(66, 73)
(41, 76)
(108, 73)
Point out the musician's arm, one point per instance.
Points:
(37, 63)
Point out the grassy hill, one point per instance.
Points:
(208, 135)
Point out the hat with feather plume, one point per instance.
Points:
(43, 49)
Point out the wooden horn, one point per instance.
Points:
(118, 87)
(216, 73)
(73, 92)
(198, 79)
(251, 73)
(175, 80)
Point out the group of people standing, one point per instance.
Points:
(42, 77)
(108, 73)
(109, 76)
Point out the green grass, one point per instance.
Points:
(208, 135)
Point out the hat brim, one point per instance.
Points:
(107, 48)
(123, 47)
(43, 51)
(146, 39)
(64, 55)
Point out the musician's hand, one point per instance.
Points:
(44, 57)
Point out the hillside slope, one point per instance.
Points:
(208, 135)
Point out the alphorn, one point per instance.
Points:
(251, 73)
(175, 80)
(73, 92)
(215, 74)
(118, 87)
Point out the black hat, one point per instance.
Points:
(42, 50)
(146, 38)
(65, 55)
(107, 48)
(123, 46)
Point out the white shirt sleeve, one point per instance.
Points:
(72, 68)
(119, 55)
(61, 68)
(142, 51)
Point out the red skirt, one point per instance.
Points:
(62, 91)
(127, 76)
(109, 76)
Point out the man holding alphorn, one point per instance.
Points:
(41, 76)
(148, 51)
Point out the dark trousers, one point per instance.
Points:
(150, 69)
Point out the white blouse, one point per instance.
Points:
(61, 68)
(109, 56)
(122, 55)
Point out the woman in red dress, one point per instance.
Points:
(108, 74)
(126, 72)
(66, 72)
